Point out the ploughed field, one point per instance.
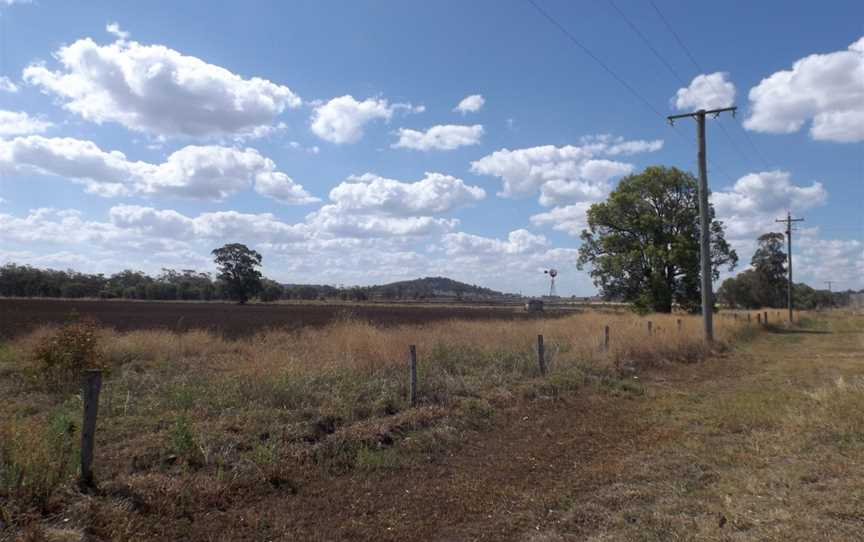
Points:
(19, 316)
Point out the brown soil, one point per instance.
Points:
(18, 316)
(503, 484)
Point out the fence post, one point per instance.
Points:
(541, 355)
(91, 385)
(650, 325)
(678, 323)
(748, 318)
(606, 338)
(765, 318)
(758, 318)
(412, 366)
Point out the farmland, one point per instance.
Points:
(19, 316)
(272, 435)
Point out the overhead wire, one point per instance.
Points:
(569, 35)
(695, 63)
(674, 73)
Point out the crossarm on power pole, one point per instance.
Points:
(715, 112)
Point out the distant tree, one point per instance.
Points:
(642, 243)
(769, 264)
(740, 291)
(270, 291)
(238, 269)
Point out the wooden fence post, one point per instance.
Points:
(412, 363)
(606, 338)
(541, 355)
(678, 323)
(765, 318)
(748, 318)
(91, 385)
(649, 327)
(758, 318)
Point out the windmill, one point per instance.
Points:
(552, 274)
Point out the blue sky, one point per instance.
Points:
(328, 135)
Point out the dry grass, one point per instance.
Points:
(768, 445)
(190, 420)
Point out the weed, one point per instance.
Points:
(36, 458)
(59, 357)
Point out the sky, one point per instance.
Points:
(366, 142)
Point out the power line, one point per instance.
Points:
(596, 59)
(614, 75)
(702, 71)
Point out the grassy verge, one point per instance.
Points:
(190, 422)
(766, 444)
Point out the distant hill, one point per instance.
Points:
(430, 287)
(422, 288)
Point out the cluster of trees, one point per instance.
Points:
(765, 284)
(642, 245)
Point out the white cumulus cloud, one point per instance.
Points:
(525, 171)
(373, 206)
(757, 199)
(441, 137)
(570, 219)
(198, 172)
(14, 123)
(470, 104)
(435, 193)
(517, 242)
(7, 85)
(825, 89)
(342, 119)
(706, 91)
(157, 90)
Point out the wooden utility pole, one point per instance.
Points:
(789, 220)
(704, 216)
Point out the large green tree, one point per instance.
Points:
(642, 243)
(769, 264)
(238, 269)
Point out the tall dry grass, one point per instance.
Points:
(260, 410)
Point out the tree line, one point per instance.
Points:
(642, 247)
(188, 285)
(765, 284)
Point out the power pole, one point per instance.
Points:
(789, 220)
(704, 216)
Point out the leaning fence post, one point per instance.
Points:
(606, 338)
(541, 355)
(412, 363)
(91, 385)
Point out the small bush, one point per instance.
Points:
(59, 357)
